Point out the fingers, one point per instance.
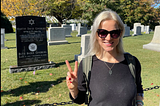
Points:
(68, 65)
(76, 68)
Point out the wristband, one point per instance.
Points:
(139, 101)
(140, 94)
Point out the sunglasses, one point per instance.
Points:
(102, 33)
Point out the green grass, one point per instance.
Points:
(37, 89)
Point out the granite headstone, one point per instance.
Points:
(155, 43)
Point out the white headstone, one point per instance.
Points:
(84, 47)
(78, 26)
(73, 27)
(82, 31)
(3, 38)
(155, 43)
(142, 28)
(56, 36)
(135, 25)
(91, 27)
(147, 30)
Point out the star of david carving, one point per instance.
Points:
(31, 22)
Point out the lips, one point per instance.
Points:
(108, 43)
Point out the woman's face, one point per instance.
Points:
(108, 43)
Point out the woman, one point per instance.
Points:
(111, 82)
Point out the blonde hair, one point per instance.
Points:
(108, 14)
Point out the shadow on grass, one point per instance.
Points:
(23, 103)
(12, 47)
(62, 63)
(11, 39)
(35, 87)
(73, 42)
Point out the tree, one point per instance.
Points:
(64, 9)
(15, 8)
(5, 23)
(130, 11)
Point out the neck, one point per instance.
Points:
(111, 57)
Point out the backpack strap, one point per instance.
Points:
(131, 64)
(87, 64)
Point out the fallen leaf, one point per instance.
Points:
(21, 98)
(59, 95)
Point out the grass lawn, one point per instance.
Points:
(48, 86)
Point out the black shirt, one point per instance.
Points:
(117, 89)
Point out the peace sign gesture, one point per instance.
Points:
(71, 79)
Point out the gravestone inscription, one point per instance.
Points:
(31, 40)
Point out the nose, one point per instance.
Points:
(108, 37)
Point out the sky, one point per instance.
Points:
(157, 6)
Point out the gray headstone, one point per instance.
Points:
(84, 47)
(56, 36)
(3, 38)
(137, 31)
(155, 43)
(67, 31)
(82, 31)
(127, 31)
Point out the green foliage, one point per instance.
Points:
(130, 11)
(5, 23)
(63, 9)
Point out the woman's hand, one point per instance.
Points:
(71, 79)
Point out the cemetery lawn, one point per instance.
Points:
(48, 86)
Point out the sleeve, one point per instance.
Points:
(138, 76)
(81, 87)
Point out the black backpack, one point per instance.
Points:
(87, 65)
